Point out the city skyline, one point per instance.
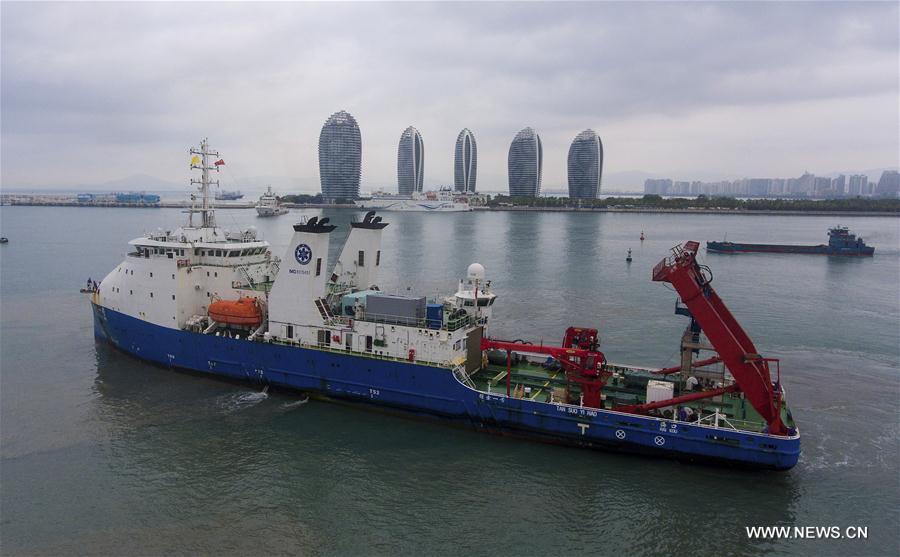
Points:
(715, 89)
(525, 164)
(807, 185)
(410, 162)
(465, 162)
(585, 165)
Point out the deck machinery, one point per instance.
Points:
(584, 365)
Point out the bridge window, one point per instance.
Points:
(362, 258)
(318, 266)
(378, 258)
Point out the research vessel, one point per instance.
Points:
(840, 242)
(197, 298)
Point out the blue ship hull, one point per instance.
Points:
(435, 391)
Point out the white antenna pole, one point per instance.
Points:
(209, 220)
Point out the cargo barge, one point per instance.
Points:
(840, 242)
(200, 299)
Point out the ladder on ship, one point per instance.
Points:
(323, 309)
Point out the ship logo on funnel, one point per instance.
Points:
(303, 254)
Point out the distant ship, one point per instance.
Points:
(443, 200)
(840, 242)
(269, 206)
(229, 195)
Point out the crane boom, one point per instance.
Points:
(749, 369)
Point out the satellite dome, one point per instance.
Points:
(476, 271)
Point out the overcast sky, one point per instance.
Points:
(96, 92)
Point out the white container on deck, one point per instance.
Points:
(660, 390)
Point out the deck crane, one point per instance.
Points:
(750, 370)
(578, 356)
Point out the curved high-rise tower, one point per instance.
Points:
(340, 156)
(585, 165)
(526, 159)
(410, 162)
(465, 162)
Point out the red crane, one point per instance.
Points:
(578, 356)
(749, 369)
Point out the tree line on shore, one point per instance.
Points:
(651, 201)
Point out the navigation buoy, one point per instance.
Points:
(642, 235)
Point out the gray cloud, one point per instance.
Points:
(96, 91)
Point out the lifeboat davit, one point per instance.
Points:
(243, 311)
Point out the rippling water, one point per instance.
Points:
(103, 454)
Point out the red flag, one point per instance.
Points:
(219, 162)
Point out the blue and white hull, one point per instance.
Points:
(436, 391)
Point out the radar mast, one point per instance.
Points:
(200, 161)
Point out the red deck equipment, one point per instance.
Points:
(749, 369)
(578, 356)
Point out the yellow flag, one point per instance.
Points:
(195, 160)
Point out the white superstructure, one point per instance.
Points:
(268, 205)
(171, 277)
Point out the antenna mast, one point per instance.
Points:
(206, 208)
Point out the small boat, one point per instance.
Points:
(4, 240)
(628, 257)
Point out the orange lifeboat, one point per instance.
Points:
(244, 311)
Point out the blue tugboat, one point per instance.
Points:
(840, 242)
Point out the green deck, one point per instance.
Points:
(626, 386)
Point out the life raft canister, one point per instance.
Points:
(412, 354)
(243, 311)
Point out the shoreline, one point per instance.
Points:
(625, 210)
(692, 211)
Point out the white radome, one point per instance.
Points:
(475, 271)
